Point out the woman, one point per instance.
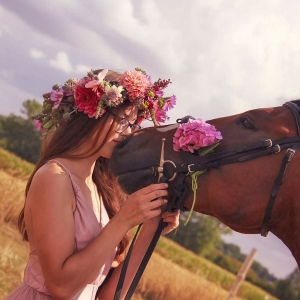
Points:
(75, 217)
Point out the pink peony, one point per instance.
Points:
(136, 84)
(194, 135)
(87, 99)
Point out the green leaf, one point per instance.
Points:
(205, 150)
(48, 125)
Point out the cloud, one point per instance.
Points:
(62, 62)
(36, 54)
(12, 98)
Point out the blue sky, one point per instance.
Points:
(223, 57)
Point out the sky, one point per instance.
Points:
(222, 56)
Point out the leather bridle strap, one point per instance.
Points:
(277, 184)
(294, 108)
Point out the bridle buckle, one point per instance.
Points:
(278, 148)
(189, 168)
(270, 142)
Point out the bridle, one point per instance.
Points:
(192, 163)
(179, 189)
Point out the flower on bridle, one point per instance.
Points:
(197, 135)
(194, 135)
(93, 94)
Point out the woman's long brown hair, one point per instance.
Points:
(61, 143)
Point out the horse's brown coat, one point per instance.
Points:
(236, 194)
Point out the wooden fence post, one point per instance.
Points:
(242, 274)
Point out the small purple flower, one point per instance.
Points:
(56, 96)
(169, 103)
(112, 95)
(160, 115)
(159, 93)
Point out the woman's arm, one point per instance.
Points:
(49, 214)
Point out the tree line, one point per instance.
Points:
(19, 135)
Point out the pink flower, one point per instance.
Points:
(38, 124)
(56, 96)
(87, 99)
(159, 93)
(169, 103)
(94, 84)
(160, 115)
(194, 135)
(136, 84)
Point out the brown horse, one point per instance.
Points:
(241, 176)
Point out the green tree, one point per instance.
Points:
(19, 135)
(285, 291)
(31, 107)
(201, 233)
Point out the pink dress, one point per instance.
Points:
(87, 228)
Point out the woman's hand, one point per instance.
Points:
(143, 205)
(172, 219)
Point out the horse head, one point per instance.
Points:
(239, 176)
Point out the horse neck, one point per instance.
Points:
(285, 222)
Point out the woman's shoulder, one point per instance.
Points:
(52, 172)
(50, 182)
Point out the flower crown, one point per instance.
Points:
(93, 94)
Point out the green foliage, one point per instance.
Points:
(31, 108)
(233, 265)
(289, 288)
(284, 290)
(201, 233)
(234, 251)
(14, 165)
(19, 135)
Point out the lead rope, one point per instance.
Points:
(194, 177)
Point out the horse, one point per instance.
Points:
(246, 184)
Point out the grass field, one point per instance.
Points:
(172, 273)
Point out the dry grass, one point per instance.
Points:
(14, 252)
(11, 197)
(164, 280)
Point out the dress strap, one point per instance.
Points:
(66, 169)
(74, 185)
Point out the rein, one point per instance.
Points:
(179, 188)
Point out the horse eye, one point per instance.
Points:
(247, 124)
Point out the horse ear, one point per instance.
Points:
(96, 72)
(184, 119)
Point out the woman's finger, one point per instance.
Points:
(152, 188)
